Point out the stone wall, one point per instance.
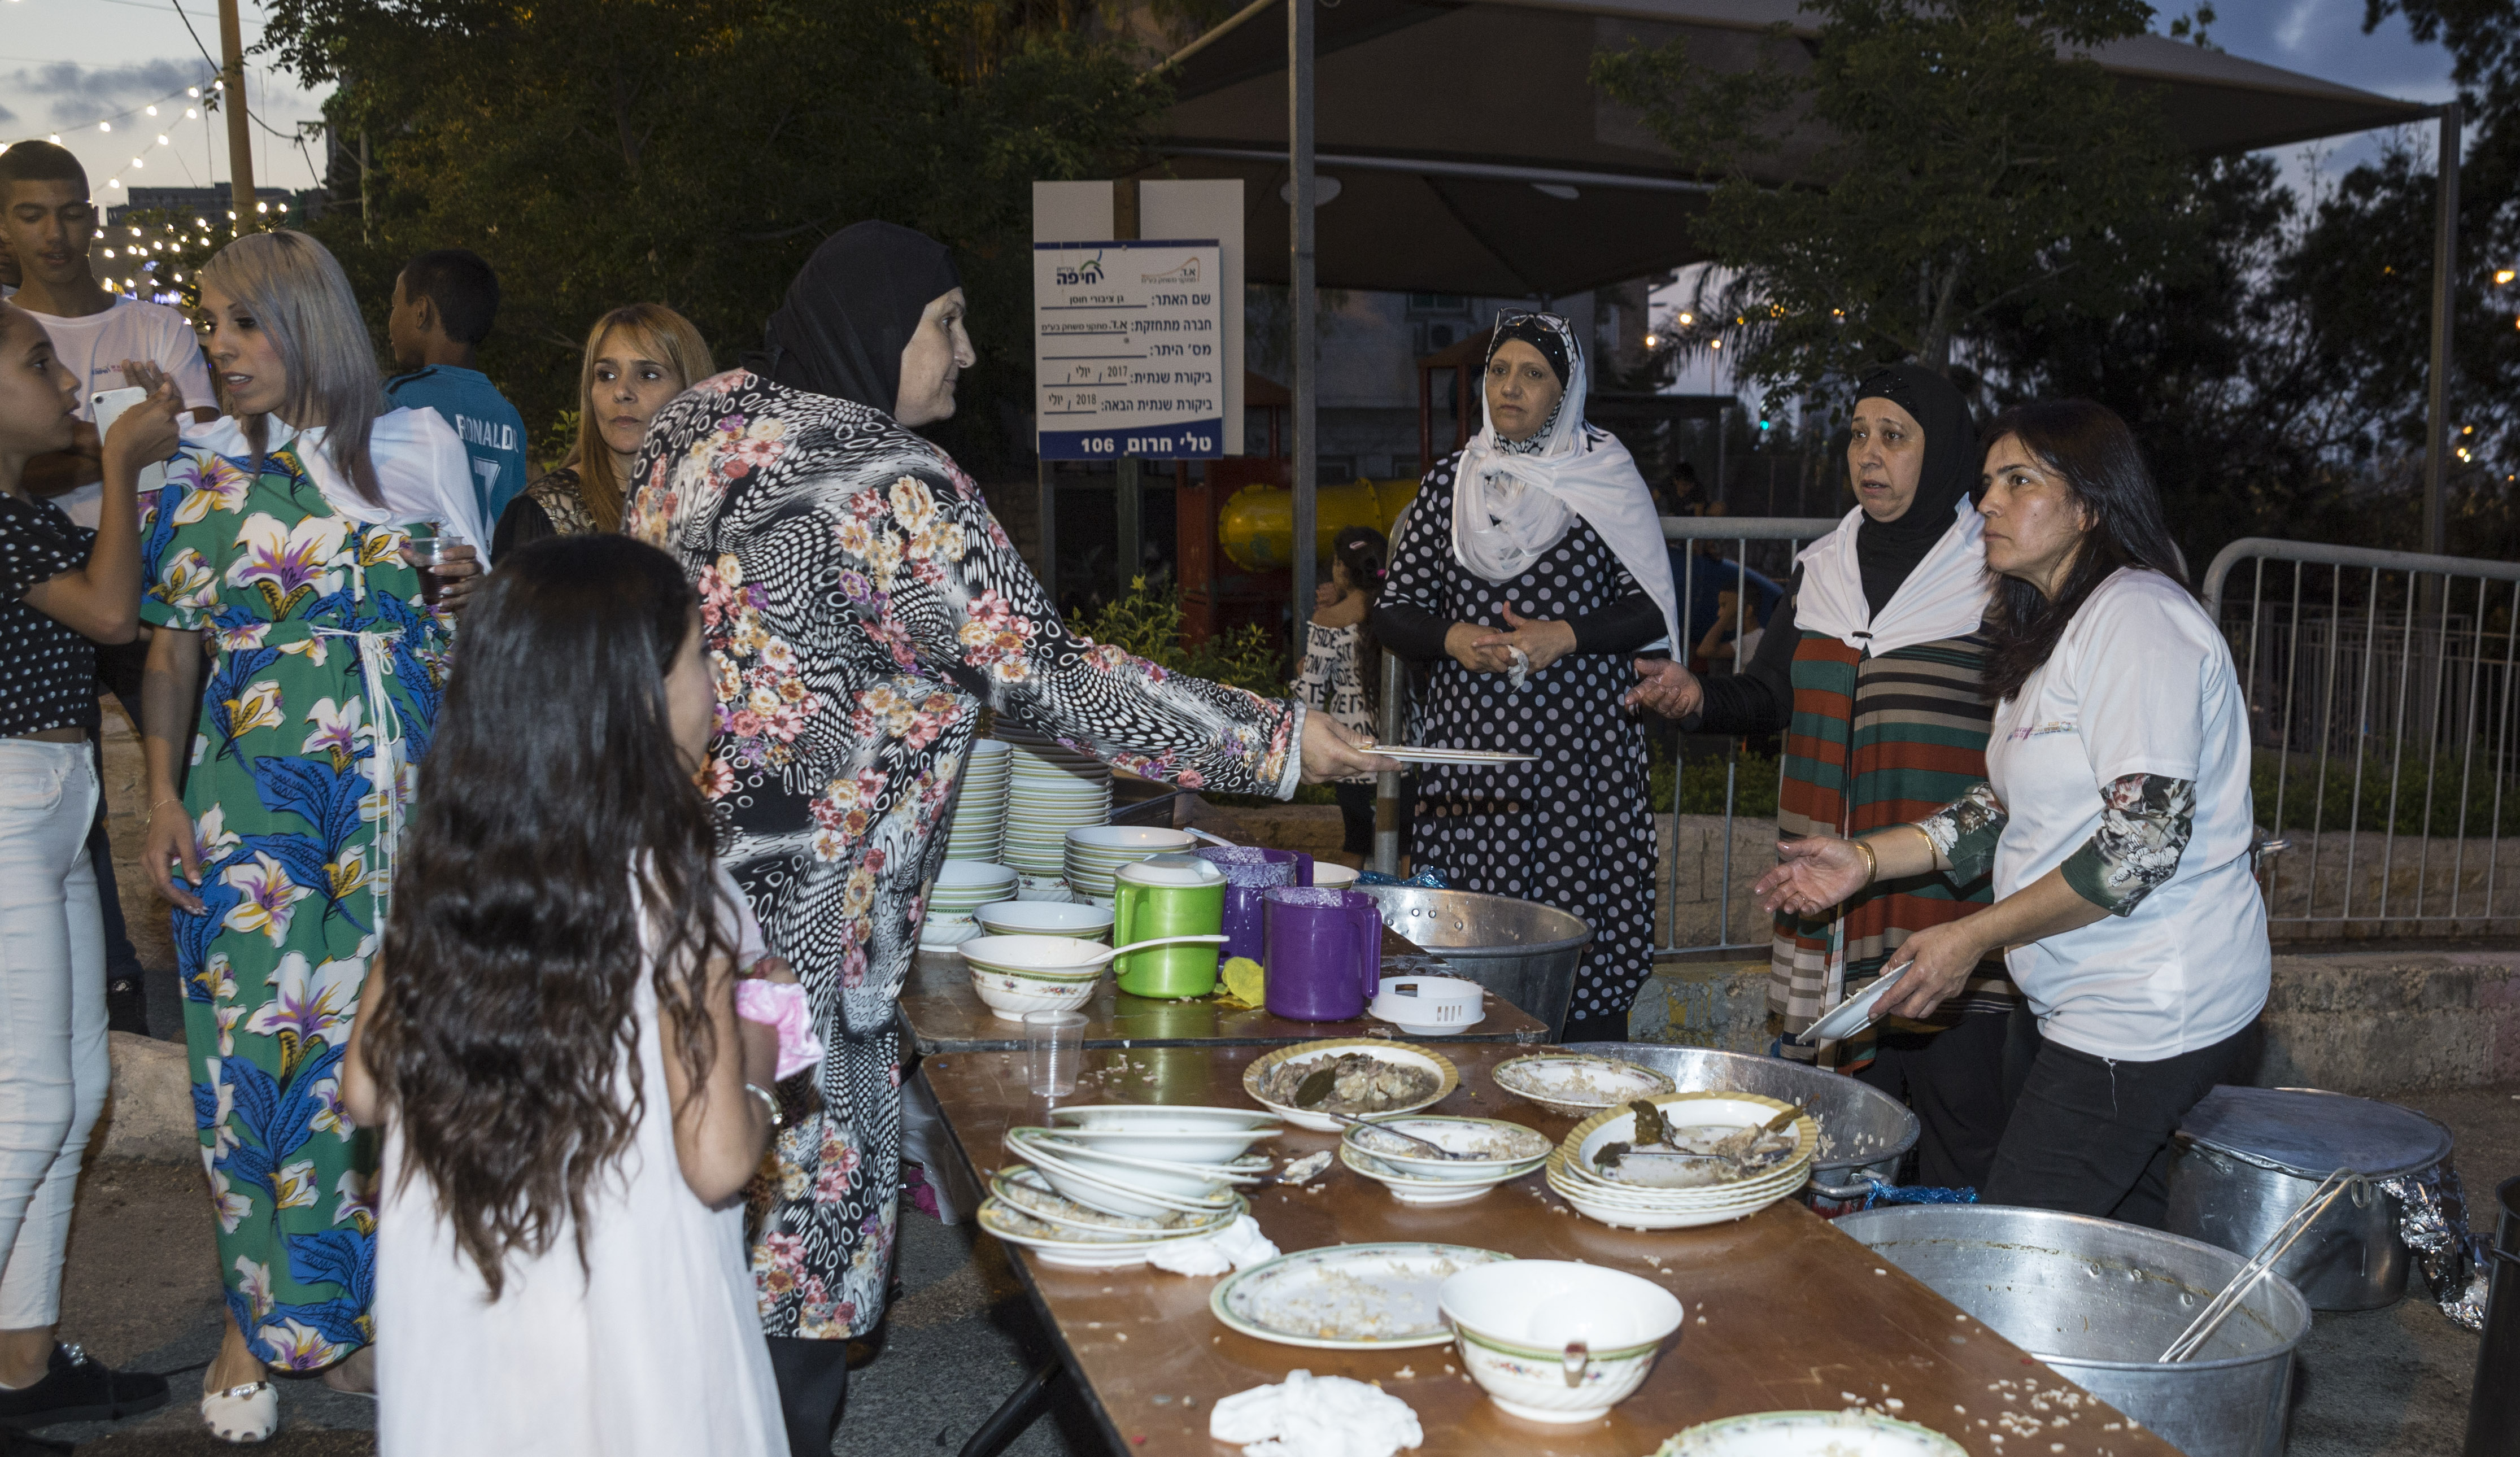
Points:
(2464, 882)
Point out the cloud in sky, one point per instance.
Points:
(75, 94)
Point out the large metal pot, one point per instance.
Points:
(1523, 951)
(2244, 1158)
(1863, 1131)
(2099, 1301)
(2494, 1408)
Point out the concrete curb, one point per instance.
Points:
(149, 1116)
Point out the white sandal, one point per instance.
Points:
(242, 1415)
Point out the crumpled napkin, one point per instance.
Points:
(782, 1005)
(1235, 1247)
(1520, 672)
(1314, 1416)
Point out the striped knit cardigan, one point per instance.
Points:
(1875, 742)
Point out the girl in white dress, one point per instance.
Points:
(571, 1107)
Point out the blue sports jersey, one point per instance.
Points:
(492, 431)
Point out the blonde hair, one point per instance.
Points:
(297, 293)
(661, 335)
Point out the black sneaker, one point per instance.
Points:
(79, 1390)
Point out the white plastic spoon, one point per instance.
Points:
(1162, 941)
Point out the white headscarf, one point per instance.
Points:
(1943, 597)
(1515, 500)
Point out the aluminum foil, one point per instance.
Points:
(2432, 1220)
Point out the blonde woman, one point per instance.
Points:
(637, 358)
(279, 538)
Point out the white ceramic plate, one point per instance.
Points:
(1346, 1297)
(1429, 1193)
(1810, 1433)
(1447, 1077)
(1575, 1084)
(1438, 755)
(1022, 1187)
(1070, 1254)
(1853, 1015)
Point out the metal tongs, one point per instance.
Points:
(2202, 1328)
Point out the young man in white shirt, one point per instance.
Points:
(49, 223)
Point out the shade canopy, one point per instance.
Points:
(1474, 155)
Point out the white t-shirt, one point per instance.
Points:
(93, 347)
(2141, 683)
(420, 468)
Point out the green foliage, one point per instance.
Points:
(2462, 801)
(695, 152)
(1147, 622)
(1926, 163)
(1701, 782)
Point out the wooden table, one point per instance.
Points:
(1784, 1312)
(944, 1015)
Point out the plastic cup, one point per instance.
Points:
(428, 554)
(1056, 1042)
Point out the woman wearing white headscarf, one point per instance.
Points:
(1529, 570)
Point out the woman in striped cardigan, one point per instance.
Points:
(1872, 670)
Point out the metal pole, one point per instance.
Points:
(1306, 465)
(1129, 511)
(239, 135)
(1049, 532)
(1388, 847)
(2437, 431)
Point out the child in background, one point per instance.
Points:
(1343, 669)
(443, 304)
(571, 1105)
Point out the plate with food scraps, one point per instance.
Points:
(1054, 1245)
(1853, 1015)
(1699, 1122)
(1346, 1297)
(1437, 755)
(1577, 1084)
(1372, 1076)
(1022, 1187)
(1853, 1433)
(1410, 1189)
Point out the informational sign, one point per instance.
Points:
(1129, 349)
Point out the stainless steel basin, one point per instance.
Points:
(2099, 1301)
(1523, 951)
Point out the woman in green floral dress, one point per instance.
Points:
(276, 548)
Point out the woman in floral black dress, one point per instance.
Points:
(1528, 570)
(860, 606)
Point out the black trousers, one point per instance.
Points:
(813, 1391)
(2092, 1136)
(1356, 815)
(1962, 1083)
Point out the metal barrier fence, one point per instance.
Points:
(1728, 547)
(2380, 688)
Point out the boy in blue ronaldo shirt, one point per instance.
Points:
(443, 304)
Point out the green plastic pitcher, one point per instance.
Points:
(1167, 895)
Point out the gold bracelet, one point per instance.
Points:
(163, 804)
(1871, 862)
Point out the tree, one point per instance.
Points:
(1917, 167)
(694, 151)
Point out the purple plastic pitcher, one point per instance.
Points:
(1325, 952)
(1250, 874)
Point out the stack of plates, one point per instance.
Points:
(1052, 790)
(1419, 1176)
(1023, 1209)
(1640, 1205)
(980, 802)
(1096, 853)
(961, 887)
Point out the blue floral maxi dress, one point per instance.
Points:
(859, 604)
(319, 641)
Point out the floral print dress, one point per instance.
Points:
(859, 604)
(319, 642)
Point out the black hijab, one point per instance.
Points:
(1887, 551)
(851, 310)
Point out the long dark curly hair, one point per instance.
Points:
(2093, 450)
(1362, 550)
(510, 1015)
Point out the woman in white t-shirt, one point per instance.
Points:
(2116, 818)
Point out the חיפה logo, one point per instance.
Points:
(1087, 273)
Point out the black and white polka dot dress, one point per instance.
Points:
(47, 670)
(1572, 828)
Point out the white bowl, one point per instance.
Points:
(1519, 1324)
(1113, 841)
(1045, 918)
(1010, 997)
(1447, 1077)
(1445, 1132)
(939, 933)
(1426, 1193)
(1431, 1004)
(957, 873)
(1162, 1117)
(1037, 957)
(1332, 876)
